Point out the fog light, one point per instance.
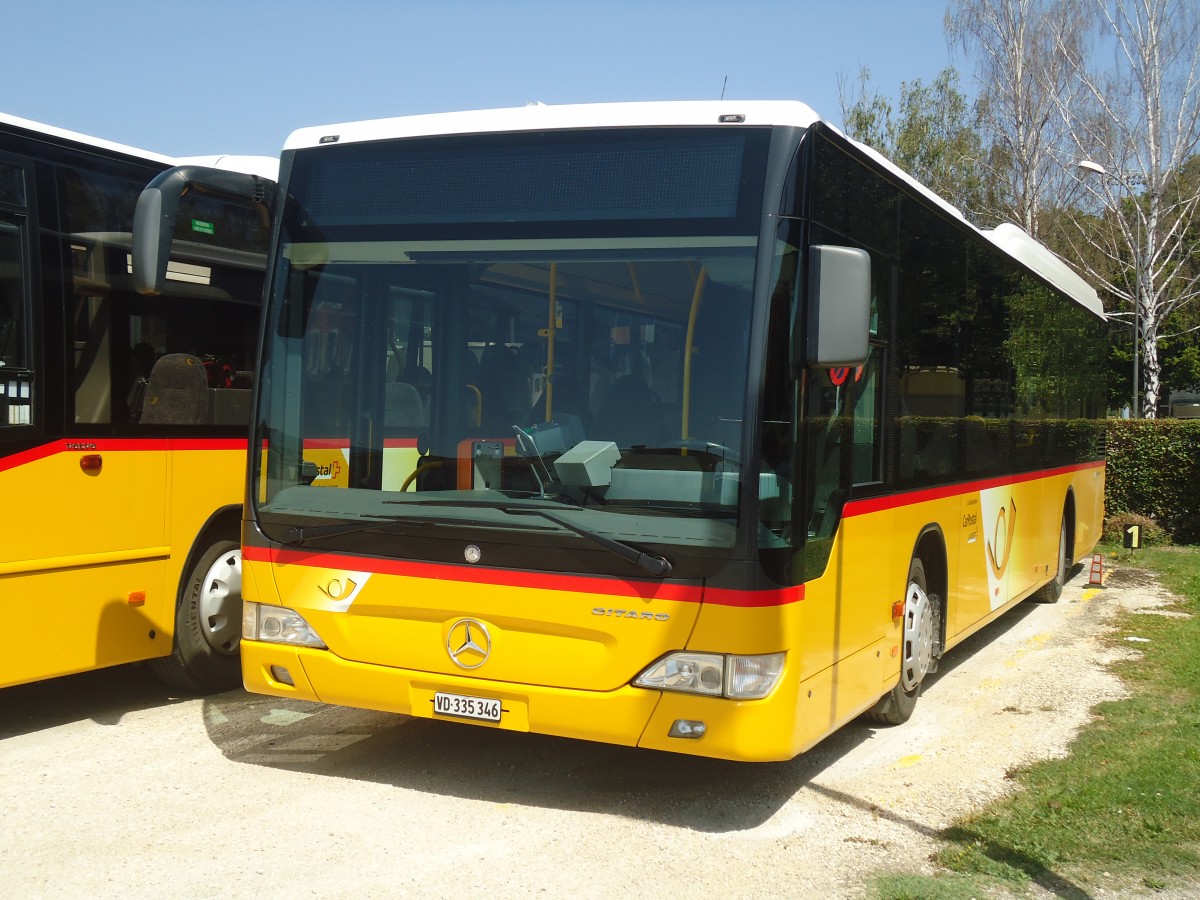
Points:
(282, 675)
(752, 677)
(687, 728)
(277, 624)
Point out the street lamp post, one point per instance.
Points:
(1095, 168)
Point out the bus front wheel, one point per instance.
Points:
(208, 619)
(921, 615)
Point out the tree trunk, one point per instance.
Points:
(1150, 369)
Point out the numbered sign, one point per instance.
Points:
(1133, 537)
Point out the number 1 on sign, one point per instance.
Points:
(1133, 537)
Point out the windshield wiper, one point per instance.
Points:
(655, 565)
(659, 566)
(682, 509)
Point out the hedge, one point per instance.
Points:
(1154, 471)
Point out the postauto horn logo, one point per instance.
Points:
(999, 545)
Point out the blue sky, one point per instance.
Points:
(181, 77)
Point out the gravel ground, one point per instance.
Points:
(111, 787)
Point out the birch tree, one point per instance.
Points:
(1022, 78)
(1136, 123)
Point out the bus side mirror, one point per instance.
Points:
(839, 308)
(158, 207)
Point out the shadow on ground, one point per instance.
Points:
(492, 765)
(103, 696)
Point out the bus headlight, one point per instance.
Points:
(277, 625)
(715, 674)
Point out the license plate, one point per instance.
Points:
(464, 707)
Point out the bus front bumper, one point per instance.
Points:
(630, 716)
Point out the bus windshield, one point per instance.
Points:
(495, 324)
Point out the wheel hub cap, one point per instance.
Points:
(220, 603)
(918, 637)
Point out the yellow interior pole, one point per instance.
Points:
(551, 331)
(697, 296)
(637, 287)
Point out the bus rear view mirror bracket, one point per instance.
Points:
(839, 308)
(158, 207)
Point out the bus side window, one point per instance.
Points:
(844, 438)
(147, 342)
(92, 350)
(16, 379)
(12, 296)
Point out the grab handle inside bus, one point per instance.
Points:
(839, 308)
(158, 206)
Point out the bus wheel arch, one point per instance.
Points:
(923, 635)
(204, 653)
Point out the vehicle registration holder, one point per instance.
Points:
(461, 706)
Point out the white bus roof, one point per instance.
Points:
(266, 166)
(536, 117)
(1019, 245)
(539, 116)
(99, 143)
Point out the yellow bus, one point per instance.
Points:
(687, 426)
(123, 419)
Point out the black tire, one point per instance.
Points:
(208, 624)
(921, 615)
(1051, 591)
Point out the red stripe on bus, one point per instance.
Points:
(746, 599)
(551, 581)
(344, 443)
(912, 498)
(118, 445)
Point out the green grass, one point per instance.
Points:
(1124, 807)
(923, 887)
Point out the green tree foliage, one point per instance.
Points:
(867, 116)
(930, 135)
(936, 141)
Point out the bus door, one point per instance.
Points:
(124, 478)
(116, 482)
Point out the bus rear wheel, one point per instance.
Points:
(1050, 592)
(208, 622)
(921, 613)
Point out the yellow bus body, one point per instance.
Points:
(89, 578)
(565, 649)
